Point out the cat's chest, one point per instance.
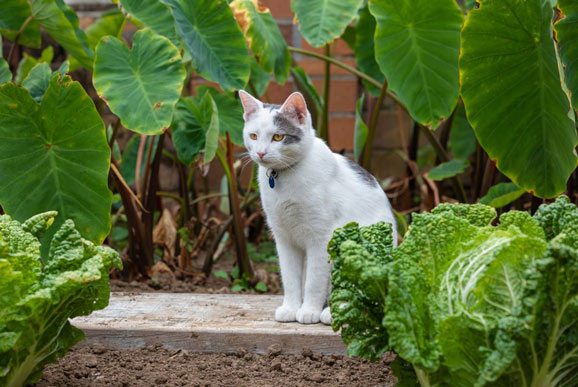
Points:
(295, 207)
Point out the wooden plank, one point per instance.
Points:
(202, 323)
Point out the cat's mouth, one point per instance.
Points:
(266, 162)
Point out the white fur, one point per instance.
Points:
(315, 193)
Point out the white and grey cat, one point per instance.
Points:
(307, 191)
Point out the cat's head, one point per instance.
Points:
(276, 136)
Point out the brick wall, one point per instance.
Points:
(394, 124)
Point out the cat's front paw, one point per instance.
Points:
(325, 316)
(285, 314)
(308, 315)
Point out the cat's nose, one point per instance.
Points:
(261, 154)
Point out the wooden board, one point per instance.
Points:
(202, 323)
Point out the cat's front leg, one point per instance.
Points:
(291, 264)
(316, 285)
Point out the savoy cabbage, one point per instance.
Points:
(463, 302)
(38, 297)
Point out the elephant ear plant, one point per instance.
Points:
(463, 302)
(38, 297)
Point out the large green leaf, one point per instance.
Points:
(567, 34)
(110, 23)
(214, 40)
(142, 85)
(188, 131)
(61, 23)
(154, 14)
(54, 156)
(28, 62)
(39, 77)
(448, 169)
(259, 78)
(264, 37)
(307, 88)
(512, 93)
(38, 81)
(13, 16)
(209, 106)
(5, 73)
(361, 130)
(365, 49)
(230, 112)
(322, 21)
(501, 194)
(462, 141)
(417, 47)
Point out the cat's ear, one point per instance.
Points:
(295, 107)
(250, 105)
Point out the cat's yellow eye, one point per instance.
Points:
(278, 137)
(253, 136)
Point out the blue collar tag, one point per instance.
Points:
(272, 175)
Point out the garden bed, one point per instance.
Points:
(144, 339)
(155, 365)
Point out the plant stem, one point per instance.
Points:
(120, 180)
(445, 131)
(150, 196)
(422, 376)
(352, 70)
(137, 252)
(372, 125)
(114, 133)
(253, 89)
(20, 31)
(208, 264)
(186, 206)
(324, 128)
(489, 176)
(171, 196)
(443, 156)
(147, 166)
(139, 156)
(238, 229)
(208, 196)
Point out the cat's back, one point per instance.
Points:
(323, 192)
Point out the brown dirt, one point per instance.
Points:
(155, 365)
(165, 282)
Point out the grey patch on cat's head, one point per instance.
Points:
(271, 106)
(284, 126)
(361, 172)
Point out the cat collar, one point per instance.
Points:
(272, 174)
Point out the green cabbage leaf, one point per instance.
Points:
(37, 298)
(466, 299)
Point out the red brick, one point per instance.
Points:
(338, 48)
(280, 9)
(341, 130)
(85, 21)
(343, 95)
(287, 32)
(388, 134)
(386, 164)
(306, 46)
(314, 66)
(278, 93)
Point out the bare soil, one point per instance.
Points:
(155, 365)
